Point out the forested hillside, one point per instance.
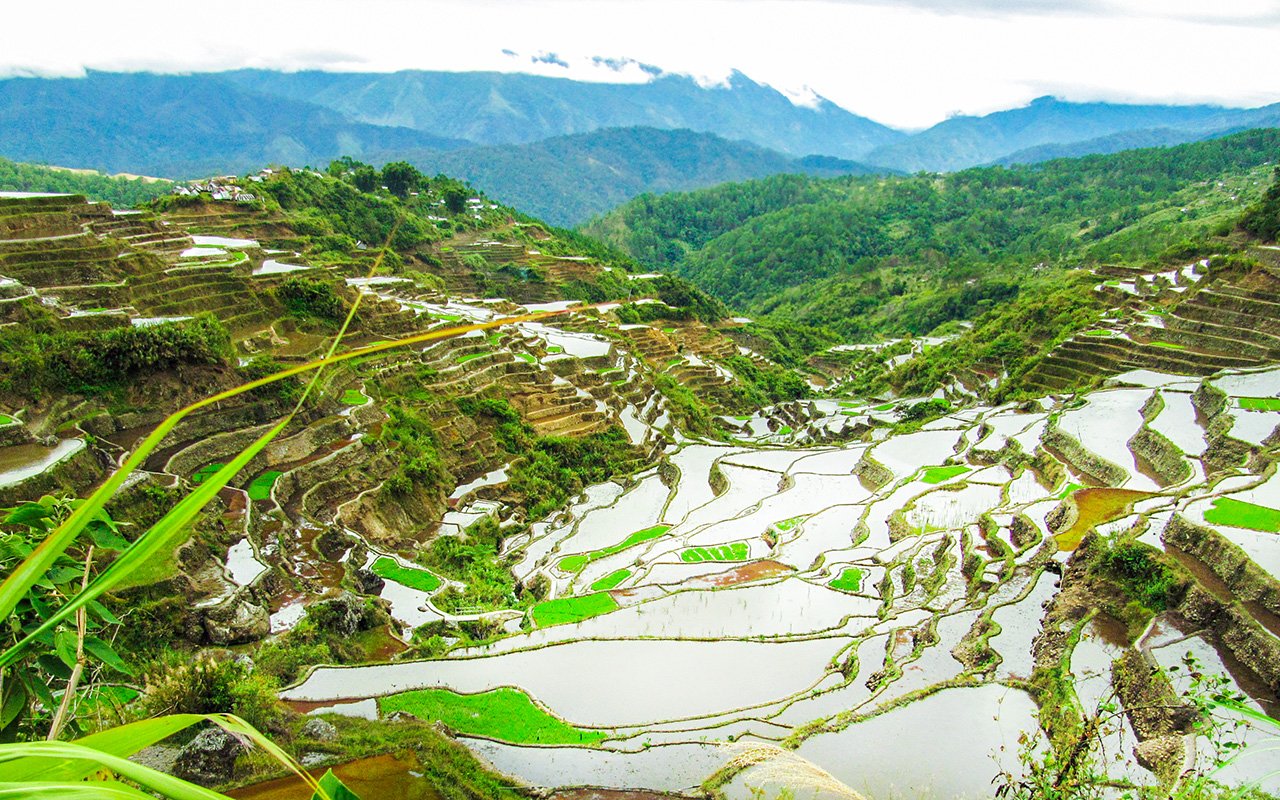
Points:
(568, 179)
(119, 191)
(509, 108)
(905, 254)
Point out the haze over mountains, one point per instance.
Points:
(564, 149)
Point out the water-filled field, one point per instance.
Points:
(838, 600)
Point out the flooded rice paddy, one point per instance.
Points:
(839, 615)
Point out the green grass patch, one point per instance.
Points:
(206, 471)
(849, 581)
(526, 357)
(940, 474)
(469, 357)
(1098, 333)
(505, 714)
(555, 348)
(735, 551)
(1249, 403)
(743, 418)
(849, 404)
(354, 397)
(392, 570)
(785, 430)
(674, 361)
(575, 563)
(495, 339)
(885, 407)
(448, 317)
(1068, 489)
(260, 489)
(611, 580)
(609, 371)
(789, 524)
(5, 419)
(668, 330)
(1239, 514)
(564, 610)
(1170, 345)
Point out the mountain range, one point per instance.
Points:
(561, 148)
(569, 179)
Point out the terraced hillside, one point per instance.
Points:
(617, 545)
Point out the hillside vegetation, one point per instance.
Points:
(119, 191)
(568, 179)
(894, 255)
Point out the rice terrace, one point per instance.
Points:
(939, 464)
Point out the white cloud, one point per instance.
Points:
(905, 63)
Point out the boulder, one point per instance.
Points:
(236, 621)
(367, 581)
(346, 614)
(320, 730)
(210, 758)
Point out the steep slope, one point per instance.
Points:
(962, 142)
(503, 108)
(567, 179)
(177, 126)
(904, 254)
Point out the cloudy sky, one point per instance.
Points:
(905, 63)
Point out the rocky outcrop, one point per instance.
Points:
(872, 473)
(210, 758)
(236, 621)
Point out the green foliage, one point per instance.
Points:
(906, 254)
(1262, 219)
(1239, 514)
(208, 686)
(27, 694)
(120, 192)
(508, 715)
(940, 474)
(288, 390)
(566, 610)
(92, 362)
(1142, 575)
(555, 468)
(400, 178)
(419, 579)
(1010, 339)
(575, 563)
(611, 580)
(419, 464)
(687, 408)
(472, 559)
(924, 410)
(850, 580)
(735, 551)
(309, 298)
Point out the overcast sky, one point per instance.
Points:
(907, 64)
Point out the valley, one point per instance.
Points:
(548, 520)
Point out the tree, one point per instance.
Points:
(365, 178)
(455, 199)
(400, 178)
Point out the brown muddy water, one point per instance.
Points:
(1096, 507)
(383, 777)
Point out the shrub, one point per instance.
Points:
(306, 297)
(208, 686)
